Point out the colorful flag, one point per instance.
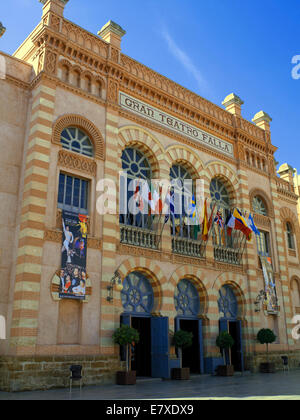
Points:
(230, 223)
(252, 225)
(170, 203)
(205, 223)
(138, 198)
(219, 220)
(192, 208)
(241, 224)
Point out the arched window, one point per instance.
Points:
(99, 89)
(77, 78)
(290, 236)
(227, 303)
(182, 185)
(72, 138)
(137, 294)
(136, 166)
(187, 302)
(259, 206)
(88, 84)
(219, 193)
(65, 73)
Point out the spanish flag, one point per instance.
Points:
(205, 229)
(241, 224)
(207, 223)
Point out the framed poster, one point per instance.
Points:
(271, 301)
(73, 257)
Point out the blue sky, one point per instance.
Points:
(212, 47)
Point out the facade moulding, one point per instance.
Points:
(226, 128)
(171, 134)
(125, 250)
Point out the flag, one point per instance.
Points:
(252, 225)
(192, 208)
(207, 223)
(230, 223)
(138, 198)
(219, 220)
(241, 224)
(169, 201)
(158, 201)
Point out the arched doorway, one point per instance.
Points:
(187, 305)
(151, 354)
(228, 310)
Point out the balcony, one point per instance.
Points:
(132, 235)
(188, 247)
(227, 255)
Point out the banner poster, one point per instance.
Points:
(271, 300)
(73, 256)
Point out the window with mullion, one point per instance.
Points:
(263, 244)
(73, 194)
(290, 236)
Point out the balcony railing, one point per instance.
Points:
(189, 247)
(136, 236)
(227, 255)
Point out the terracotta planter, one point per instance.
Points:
(182, 374)
(267, 368)
(225, 370)
(126, 378)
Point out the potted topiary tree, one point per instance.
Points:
(126, 336)
(182, 340)
(225, 342)
(266, 336)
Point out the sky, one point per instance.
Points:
(212, 47)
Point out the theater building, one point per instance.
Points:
(75, 110)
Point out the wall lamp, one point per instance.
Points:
(115, 281)
(258, 301)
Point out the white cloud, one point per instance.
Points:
(186, 62)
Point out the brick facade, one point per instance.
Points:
(63, 76)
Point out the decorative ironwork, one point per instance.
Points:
(227, 302)
(188, 247)
(72, 138)
(219, 194)
(187, 302)
(259, 206)
(131, 235)
(137, 294)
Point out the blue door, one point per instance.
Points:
(160, 347)
(223, 324)
(239, 344)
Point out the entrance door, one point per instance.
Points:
(235, 330)
(141, 352)
(191, 355)
(237, 359)
(160, 347)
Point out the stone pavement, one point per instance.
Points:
(281, 385)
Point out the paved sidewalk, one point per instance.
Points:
(259, 386)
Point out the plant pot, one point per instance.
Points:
(126, 378)
(267, 367)
(225, 370)
(182, 374)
